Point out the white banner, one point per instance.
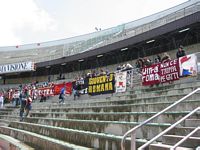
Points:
(120, 83)
(17, 67)
(188, 65)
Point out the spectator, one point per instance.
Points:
(180, 52)
(102, 72)
(25, 105)
(147, 62)
(94, 74)
(62, 95)
(75, 89)
(157, 59)
(28, 105)
(165, 58)
(139, 64)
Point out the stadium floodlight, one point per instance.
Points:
(98, 56)
(80, 60)
(150, 41)
(63, 64)
(124, 49)
(186, 29)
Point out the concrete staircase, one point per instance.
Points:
(100, 122)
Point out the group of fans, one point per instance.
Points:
(146, 62)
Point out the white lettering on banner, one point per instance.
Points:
(168, 64)
(150, 70)
(151, 77)
(17, 67)
(45, 91)
(168, 70)
(170, 77)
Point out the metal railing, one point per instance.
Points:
(168, 129)
(133, 130)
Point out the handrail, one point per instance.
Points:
(133, 130)
(185, 138)
(168, 129)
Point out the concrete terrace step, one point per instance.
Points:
(162, 89)
(192, 122)
(9, 143)
(156, 98)
(4, 122)
(110, 127)
(192, 142)
(165, 93)
(183, 131)
(161, 146)
(86, 138)
(6, 109)
(168, 117)
(143, 107)
(5, 112)
(108, 102)
(39, 141)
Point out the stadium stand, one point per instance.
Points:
(102, 121)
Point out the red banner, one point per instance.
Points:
(58, 87)
(169, 71)
(160, 73)
(150, 75)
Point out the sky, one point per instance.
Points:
(37, 21)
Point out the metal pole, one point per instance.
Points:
(133, 143)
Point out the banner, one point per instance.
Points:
(101, 84)
(120, 78)
(17, 67)
(188, 65)
(160, 73)
(169, 71)
(46, 91)
(150, 75)
(57, 88)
